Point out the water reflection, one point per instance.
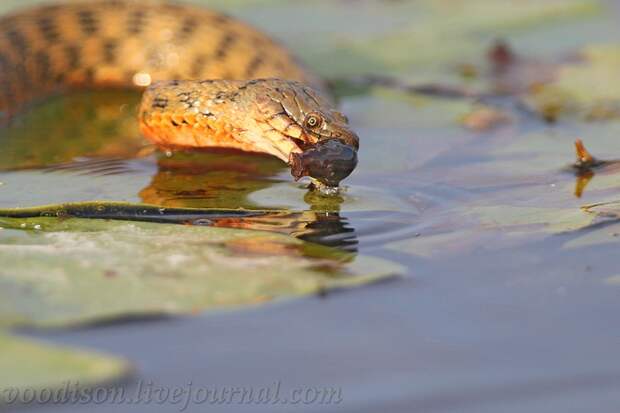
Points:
(226, 179)
(587, 166)
(95, 134)
(86, 124)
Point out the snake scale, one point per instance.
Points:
(209, 79)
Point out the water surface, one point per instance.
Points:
(510, 291)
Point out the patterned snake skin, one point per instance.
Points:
(246, 91)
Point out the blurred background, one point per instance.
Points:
(494, 249)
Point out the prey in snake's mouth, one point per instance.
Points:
(132, 44)
(284, 118)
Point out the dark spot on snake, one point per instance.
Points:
(208, 114)
(222, 96)
(115, 3)
(197, 65)
(109, 50)
(224, 46)
(87, 21)
(207, 81)
(184, 97)
(43, 65)
(73, 56)
(176, 124)
(188, 26)
(160, 102)
(48, 28)
(254, 66)
(136, 22)
(17, 40)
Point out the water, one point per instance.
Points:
(511, 291)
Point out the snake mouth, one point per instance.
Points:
(329, 161)
(347, 137)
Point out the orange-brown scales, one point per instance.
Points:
(137, 44)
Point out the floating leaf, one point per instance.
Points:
(437, 35)
(604, 210)
(32, 372)
(126, 211)
(72, 271)
(588, 88)
(595, 236)
(531, 219)
(485, 118)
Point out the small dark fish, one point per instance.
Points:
(328, 161)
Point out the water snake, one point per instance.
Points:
(209, 79)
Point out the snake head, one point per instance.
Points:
(298, 119)
(283, 118)
(328, 161)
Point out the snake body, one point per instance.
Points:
(209, 79)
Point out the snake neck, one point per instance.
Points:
(129, 44)
(137, 44)
(211, 113)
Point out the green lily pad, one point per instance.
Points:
(603, 212)
(529, 219)
(32, 372)
(596, 236)
(59, 272)
(587, 88)
(444, 32)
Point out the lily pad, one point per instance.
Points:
(32, 372)
(441, 34)
(529, 219)
(59, 272)
(587, 87)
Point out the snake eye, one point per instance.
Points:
(313, 121)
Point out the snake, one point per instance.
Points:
(208, 80)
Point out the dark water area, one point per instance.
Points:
(509, 292)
